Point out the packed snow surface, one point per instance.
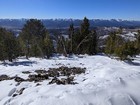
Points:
(105, 82)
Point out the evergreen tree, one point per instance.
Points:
(9, 45)
(113, 42)
(85, 27)
(138, 42)
(76, 40)
(71, 34)
(92, 44)
(84, 40)
(48, 46)
(127, 50)
(22, 46)
(110, 43)
(120, 30)
(3, 54)
(12, 47)
(118, 46)
(33, 34)
(61, 45)
(84, 37)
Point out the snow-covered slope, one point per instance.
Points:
(130, 36)
(105, 82)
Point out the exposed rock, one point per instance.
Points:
(18, 92)
(53, 72)
(38, 84)
(41, 75)
(70, 80)
(26, 72)
(21, 91)
(38, 77)
(63, 81)
(17, 84)
(14, 95)
(4, 77)
(65, 71)
(41, 71)
(19, 79)
(78, 70)
(54, 80)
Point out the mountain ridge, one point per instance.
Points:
(64, 23)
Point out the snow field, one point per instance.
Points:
(106, 82)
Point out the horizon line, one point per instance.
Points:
(118, 19)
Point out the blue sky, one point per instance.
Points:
(77, 9)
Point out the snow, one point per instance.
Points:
(130, 36)
(104, 37)
(106, 82)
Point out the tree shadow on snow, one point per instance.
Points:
(23, 63)
(132, 63)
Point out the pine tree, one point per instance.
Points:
(117, 46)
(126, 51)
(83, 37)
(48, 46)
(85, 27)
(138, 42)
(3, 54)
(92, 43)
(120, 30)
(61, 45)
(71, 34)
(33, 34)
(9, 45)
(84, 40)
(76, 40)
(110, 44)
(22, 46)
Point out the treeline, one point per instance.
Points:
(80, 41)
(35, 41)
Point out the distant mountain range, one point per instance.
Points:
(64, 23)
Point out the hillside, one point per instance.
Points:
(106, 81)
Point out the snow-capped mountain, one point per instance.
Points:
(64, 23)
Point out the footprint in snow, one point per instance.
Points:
(12, 92)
